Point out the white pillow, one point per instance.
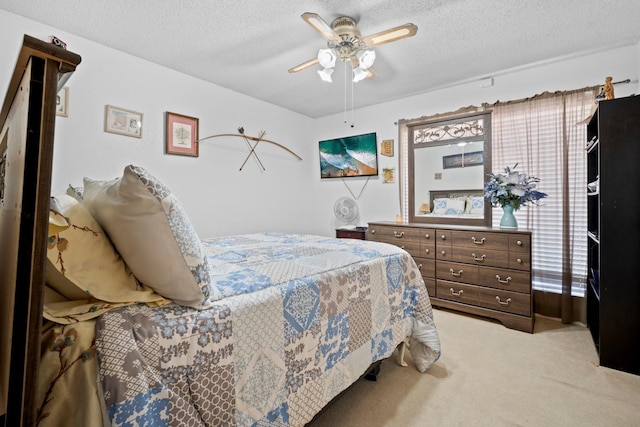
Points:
(448, 206)
(476, 205)
(152, 232)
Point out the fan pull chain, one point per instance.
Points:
(361, 190)
(345, 93)
(352, 87)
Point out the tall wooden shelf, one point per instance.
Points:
(613, 204)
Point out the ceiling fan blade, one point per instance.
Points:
(321, 26)
(371, 74)
(304, 65)
(390, 35)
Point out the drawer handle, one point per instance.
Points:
(427, 236)
(506, 302)
(459, 293)
(398, 235)
(519, 261)
(427, 251)
(519, 243)
(507, 280)
(443, 253)
(419, 266)
(458, 274)
(481, 259)
(401, 247)
(478, 242)
(373, 231)
(443, 237)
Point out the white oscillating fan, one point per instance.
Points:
(346, 211)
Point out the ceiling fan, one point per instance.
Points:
(345, 43)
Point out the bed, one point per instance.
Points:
(454, 204)
(166, 328)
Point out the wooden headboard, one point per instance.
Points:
(27, 121)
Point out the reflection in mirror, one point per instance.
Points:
(448, 163)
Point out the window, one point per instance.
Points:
(546, 137)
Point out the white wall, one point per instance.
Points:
(381, 201)
(289, 195)
(218, 197)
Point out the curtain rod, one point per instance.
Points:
(486, 105)
(549, 94)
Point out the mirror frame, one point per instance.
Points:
(445, 124)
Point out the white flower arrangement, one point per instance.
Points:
(513, 188)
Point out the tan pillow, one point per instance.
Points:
(83, 266)
(152, 232)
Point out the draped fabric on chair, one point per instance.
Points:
(546, 136)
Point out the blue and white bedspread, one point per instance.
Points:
(302, 318)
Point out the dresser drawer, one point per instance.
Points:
(431, 286)
(443, 237)
(510, 280)
(520, 261)
(427, 267)
(385, 233)
(443, 253)
(459, 292)
(480, 256)
(427, 249)
(479, 239)
(457, 272)
(410, 246)
(510, 302)
(428, 235)
(519, 243)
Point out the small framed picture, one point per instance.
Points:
(123, 122)
(386, 147)
(62, 102)
(463, 160)
(182, 135)
(388, 175)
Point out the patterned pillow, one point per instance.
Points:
(152, 232)
(476, 205)
(448, 206)
(84, 270)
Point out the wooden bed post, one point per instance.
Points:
(27, 121)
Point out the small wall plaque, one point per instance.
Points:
(386, 147)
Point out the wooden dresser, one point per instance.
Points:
(479, 270)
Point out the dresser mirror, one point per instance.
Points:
(449, 160)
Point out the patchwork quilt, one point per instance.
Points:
(302, 318)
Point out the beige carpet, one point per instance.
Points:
(489, 375)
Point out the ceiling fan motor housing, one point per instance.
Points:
(349, 34)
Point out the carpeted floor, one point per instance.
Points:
(489, 375)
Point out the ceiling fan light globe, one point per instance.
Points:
(327, 58)
(366, 58)
(325, 74)
(359, 73)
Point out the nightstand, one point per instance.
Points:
(355, 233)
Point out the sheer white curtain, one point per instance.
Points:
(544, 136)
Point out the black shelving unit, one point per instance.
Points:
(613, 204)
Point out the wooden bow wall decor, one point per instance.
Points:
(252, 148)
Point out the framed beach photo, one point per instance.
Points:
(62, 102)
(123, 122)
(182, 135)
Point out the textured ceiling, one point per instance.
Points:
(248, 46)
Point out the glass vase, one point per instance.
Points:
(508, 219)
